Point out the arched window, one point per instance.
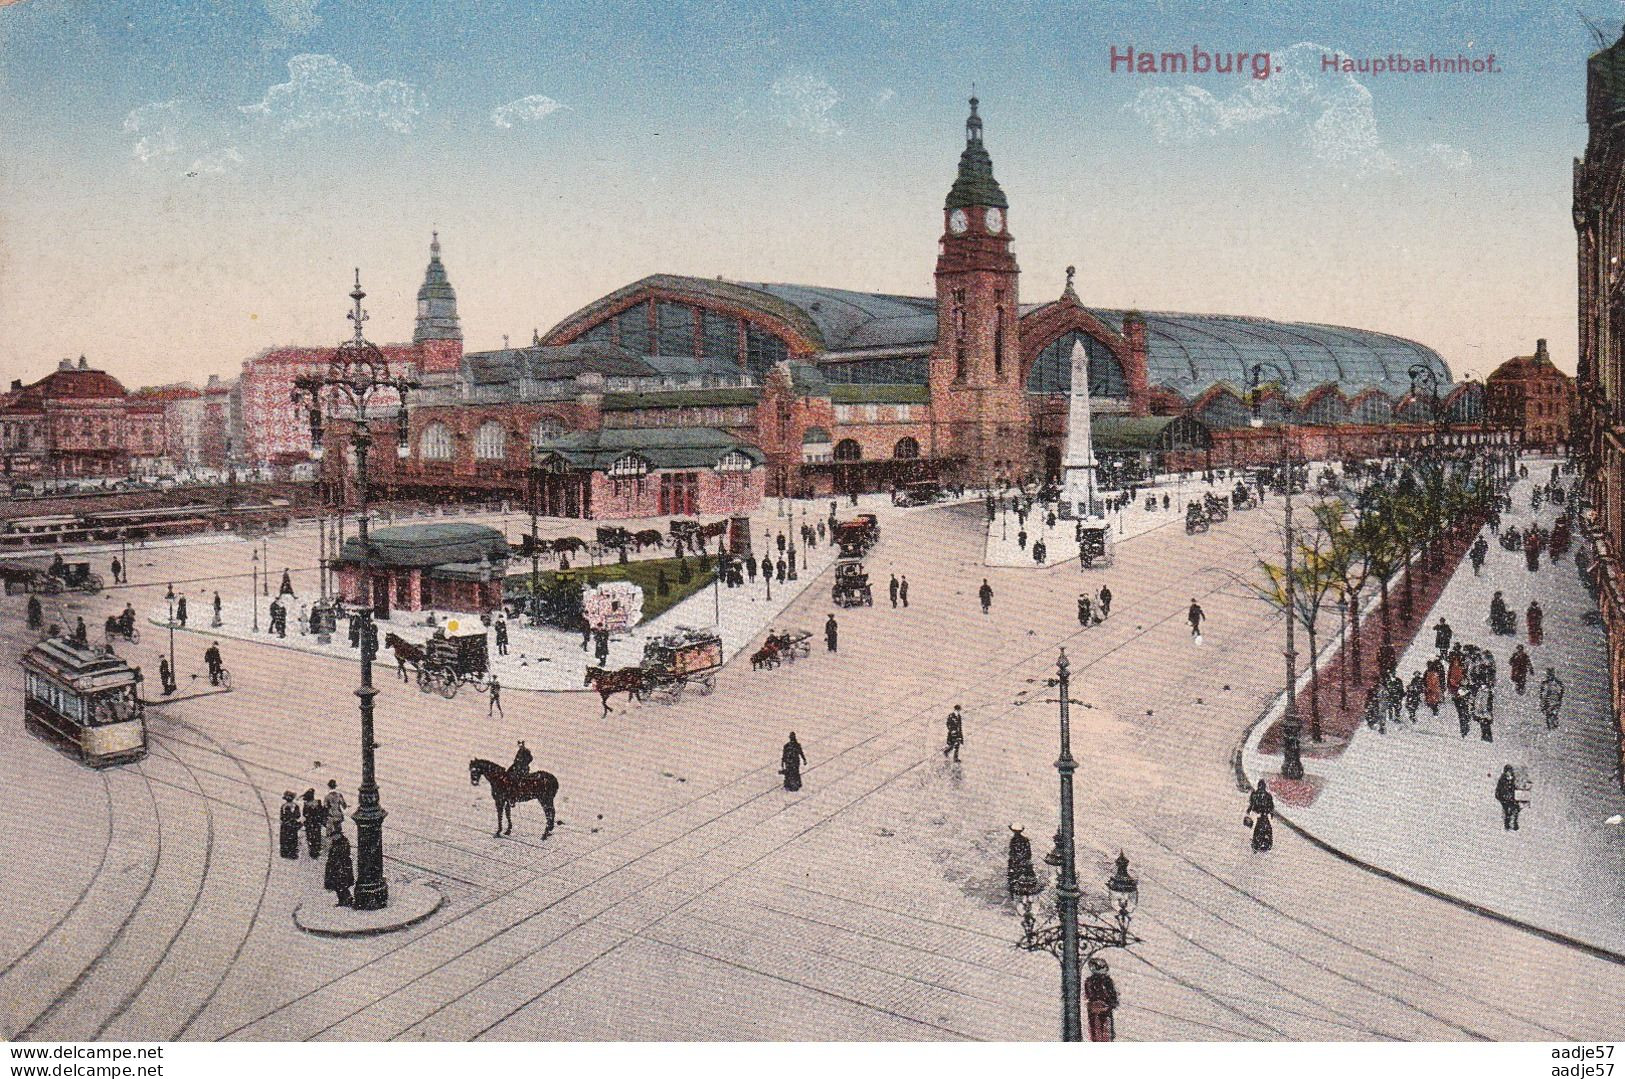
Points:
(906, 449)
(847, 449)
(434, 444)
(545, 429)
(491, 441)
(1052, 370)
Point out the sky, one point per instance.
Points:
(184, 183)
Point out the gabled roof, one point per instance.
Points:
(429, 545)
(662, 447)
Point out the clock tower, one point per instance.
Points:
(977, 397)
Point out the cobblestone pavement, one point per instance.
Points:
(686, 895)
(1419, 801)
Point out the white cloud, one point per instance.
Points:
(294, 16)
(533, 107)
(320, 90)
(157, 130)
(166, 133)
(803, 101)
(1448, 156)
(884, 97)
(1331, 113)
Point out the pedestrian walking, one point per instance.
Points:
(956, 732)
(985, 593)
(333, 801)
(501, 633)
(1260, 805)
(1040, 552)
(496, 699)
(1483, 709)
(893, 588)
(1413, 696)
(902, 591)
(1195, 616)
(750, 568)
(1464, 712)
(1441, 636)
(1021, 539)
(286, 588)
(180, 611)
(1105, 603)
(166, 676)
(1519, 666)
(1165, 502)
(1393, 697)
(1506, 792)
(781, 570)
(1535, 621)
(289, 827)
(1100, 1001)
(1551, 698)
(600, 646)
(1433, 686)
(831, 634)
(339, 876)
(1478, 553)
(1020, 881)
(118, 571)
(1375, 715)
(314, 815)
(790, 762)
(36, 614)
(1456, 669)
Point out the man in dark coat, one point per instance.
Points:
(1020, 881)
(118, 571)
(1506, 792)
(956, 732)
(1479, 551)
(790, 761)
(1441, 636)
(1551, 698)
(166, 677)
(315, 816)
(501, 632)
(831, 635)
(600, 639)
(1520, 665)
(180, 611)
(750, 568)
(1195, 616)
(522, 759)
(1105, 602)
(1100, 1001)
(339, 875)
(287, 585)
(985, 594)
(1535, 622)
(1021, 539)
(36, 614)
(212, 660)
(892, 588)
(902, 590)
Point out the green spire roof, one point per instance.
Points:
(437, 302)
(975, 185)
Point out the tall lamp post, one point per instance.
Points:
(357, 376)
(535, 542)
(1291, 723)
(1069, 938)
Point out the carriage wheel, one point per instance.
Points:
(225, 678)
(481, 687)
(448, 686)
(425, 680)
(674, 693)
(705, 685)
(92, 583)
(135, 635)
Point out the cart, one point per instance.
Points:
(1242, 499)
(452, 658)
(851, 587)
(780, 648)
(57, 578)
(1094, 545)
(1195, 519)
(1217, 508)
(677, 660)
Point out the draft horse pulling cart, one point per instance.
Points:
(782, 648)
(671, 663)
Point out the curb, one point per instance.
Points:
(1238, 761)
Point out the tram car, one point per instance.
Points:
(84, 701)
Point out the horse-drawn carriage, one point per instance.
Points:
(59, 577)
(1196, 519)
(1216, 508)
(1094, 545)
(674, 661)
(1241, 498)
(851, 587)
(453, 658)
(780, 648)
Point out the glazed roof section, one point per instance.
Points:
(662, 447)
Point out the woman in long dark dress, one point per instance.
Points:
(791, 762)
(1261, 806)
(290, 826)
(340, 873)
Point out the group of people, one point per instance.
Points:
(320, 820)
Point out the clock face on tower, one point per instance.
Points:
(994, 219)
(957, 222)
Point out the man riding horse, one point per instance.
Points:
(521, 762)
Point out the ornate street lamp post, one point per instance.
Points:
(1068, 938)
(357, 376)
(1291, 724)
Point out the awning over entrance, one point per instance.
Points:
(1150, 434)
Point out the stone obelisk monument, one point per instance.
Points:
(1078, 496)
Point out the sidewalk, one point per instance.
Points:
(1418, 803)
(538, 659)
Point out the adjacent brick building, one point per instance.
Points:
(78, 421)
(1529, 395)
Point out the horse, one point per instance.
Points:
(765, 657)
(542, 787)
(634, 681)
(407, 654)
